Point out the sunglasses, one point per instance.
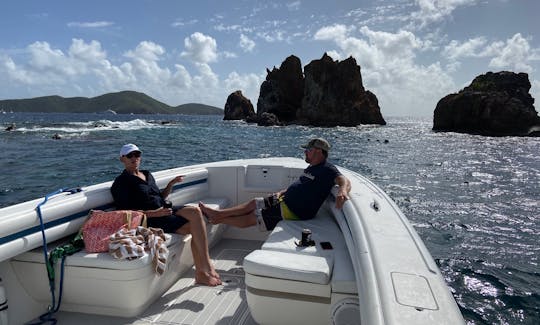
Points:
(135, 154)
(309, 149)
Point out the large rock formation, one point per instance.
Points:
(238, 107)
(334, 95)
(282, 91)
(331, 94)
(496, 104)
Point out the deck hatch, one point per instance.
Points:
(413, 290)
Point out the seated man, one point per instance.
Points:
(300, 201)
(136, 189)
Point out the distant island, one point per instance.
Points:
(124, 102)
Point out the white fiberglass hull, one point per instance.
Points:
(377, 272)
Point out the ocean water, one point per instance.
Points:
(475, 201)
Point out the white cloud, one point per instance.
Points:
(516, 53)
(228, 55)
(248, 83)
(14, 73)
(273, 36)
(182, 23)
(49, 60)
(336, 33)
(200, 48)
(293, 6)
(48, 65)
(246, 43)
(85, 70)
(147, 51)
(233, 28)
(145, 64)
(181, 78)
(535, 92)
(95, 24)
(334, 55)
(400, 45)
(431, 11)
(471, 48)
(389, 69)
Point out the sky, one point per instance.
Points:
(411, 52)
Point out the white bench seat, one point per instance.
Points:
(289, 266)
(284, 238)
(111, 286)
(284, 280)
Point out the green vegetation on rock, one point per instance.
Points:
(124, 102)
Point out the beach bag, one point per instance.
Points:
(102, 224)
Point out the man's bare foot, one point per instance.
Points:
(206, 278)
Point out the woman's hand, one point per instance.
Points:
(169, 186)
(163, 212)
(177, 179)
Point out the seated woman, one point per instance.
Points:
(136, 189)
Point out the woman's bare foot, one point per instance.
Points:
(215, 274)
(206, 278)
(210, 213)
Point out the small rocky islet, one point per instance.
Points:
(330, 93)
(494, 104)
(326, 93)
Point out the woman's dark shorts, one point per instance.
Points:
(169, 224)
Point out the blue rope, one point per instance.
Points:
(53, 308)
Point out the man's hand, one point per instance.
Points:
(341, 197)
(343, 192)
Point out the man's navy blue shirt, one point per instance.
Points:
(305, 196)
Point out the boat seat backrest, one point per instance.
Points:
(193, 187)
(106, 260)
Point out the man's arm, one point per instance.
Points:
(343, 191)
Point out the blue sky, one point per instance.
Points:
(411, 52)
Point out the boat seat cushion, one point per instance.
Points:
(95, 260)
(282, 265)
(324, 229)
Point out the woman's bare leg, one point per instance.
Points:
(205, 272)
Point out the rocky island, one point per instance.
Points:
(327, 93)
(494, 104)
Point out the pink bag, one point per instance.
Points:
(102, 224)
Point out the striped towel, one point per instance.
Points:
(137, 242)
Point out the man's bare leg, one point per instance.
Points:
(243, 221)
(216, 216)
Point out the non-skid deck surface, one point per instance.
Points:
(188, 303)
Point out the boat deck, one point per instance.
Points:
(189, 303)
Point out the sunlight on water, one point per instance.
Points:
(473, 200)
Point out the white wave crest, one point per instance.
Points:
(92, 126)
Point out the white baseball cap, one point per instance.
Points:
(127, 148)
